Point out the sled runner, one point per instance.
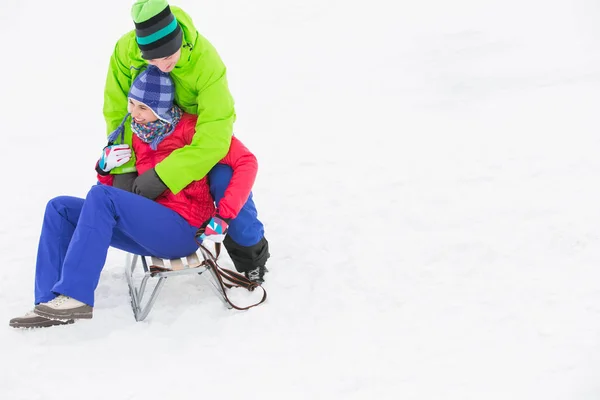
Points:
(157, 268)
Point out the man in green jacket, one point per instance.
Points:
(165, 36)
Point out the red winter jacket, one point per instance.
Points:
(194, 203)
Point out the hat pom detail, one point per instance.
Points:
(119, 131)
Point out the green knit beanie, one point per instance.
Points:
(157, 32)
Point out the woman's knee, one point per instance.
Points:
(61, 204)
(102, 192)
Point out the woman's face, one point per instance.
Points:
(141, 113)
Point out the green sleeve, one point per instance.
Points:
(118, 82)
(214, 129)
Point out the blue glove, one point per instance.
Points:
(214, 229)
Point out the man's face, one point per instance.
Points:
(166, 64)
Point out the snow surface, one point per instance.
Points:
(428, 182)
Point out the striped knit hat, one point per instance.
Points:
(157, 32)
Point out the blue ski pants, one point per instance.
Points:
(76, 234)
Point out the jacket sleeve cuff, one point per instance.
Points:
(228, 220)
(100, 171)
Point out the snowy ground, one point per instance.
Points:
(428, 181)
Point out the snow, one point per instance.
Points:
(427, 182)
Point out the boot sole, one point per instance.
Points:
(63, 317)
(45, 324)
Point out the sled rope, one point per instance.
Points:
(227, 278)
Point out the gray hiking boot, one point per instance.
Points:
(32, 320)
(63, 308)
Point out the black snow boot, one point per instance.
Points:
(249, 260)
(257, 274)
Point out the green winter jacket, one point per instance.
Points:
(200, 88)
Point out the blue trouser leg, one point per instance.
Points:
(60, 221)
(245, 229)
(107, 217)
(245, 241)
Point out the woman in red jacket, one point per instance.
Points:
(194, 203)
(76, 233)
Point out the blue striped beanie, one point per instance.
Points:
(157, 31)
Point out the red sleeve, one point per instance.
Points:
(104, 179)
(245, 167)
(190, 129)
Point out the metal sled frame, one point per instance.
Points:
(179, 266)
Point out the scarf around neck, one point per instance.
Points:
(154, 132)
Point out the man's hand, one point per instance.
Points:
(214, 229)
(124, 181)
(149, 185)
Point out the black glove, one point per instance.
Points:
(149, 185)
(125, 181)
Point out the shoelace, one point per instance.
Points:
(57, 301)
(254, 274)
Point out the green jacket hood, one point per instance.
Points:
(190, 33)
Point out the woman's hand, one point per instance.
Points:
(114, 156)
